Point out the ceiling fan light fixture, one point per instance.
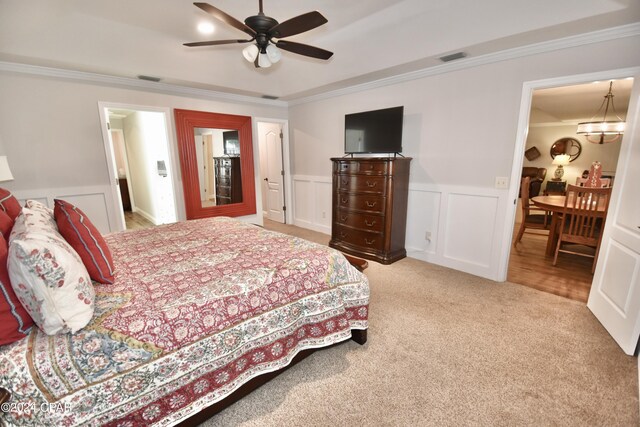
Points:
(263, 61)
(250, 52)
(273, 53)
(262, 29)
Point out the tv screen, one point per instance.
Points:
(378, 131)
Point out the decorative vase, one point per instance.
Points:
(595, 173)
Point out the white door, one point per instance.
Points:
(615, 292)
(121, 222)
(271, 135)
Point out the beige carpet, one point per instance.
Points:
(448, 348)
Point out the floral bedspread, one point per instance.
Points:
(198, 308)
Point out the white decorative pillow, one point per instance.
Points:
(40, 207)
(49, 277)
(36, 216)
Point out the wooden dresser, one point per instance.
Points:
(370, 207)
(228, 180)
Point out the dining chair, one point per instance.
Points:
(532, 216)
(583, 218)
(604, 182)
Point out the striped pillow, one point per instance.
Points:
(85, 238)
(15, 322)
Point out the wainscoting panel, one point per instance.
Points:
(312, 202)
(95, 202)
(469, 229)
(423, 215)
(463, 222)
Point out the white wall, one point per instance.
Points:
(145, 133)
(543, 137)
(460, 128)
(50, 131)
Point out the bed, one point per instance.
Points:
(199, 310)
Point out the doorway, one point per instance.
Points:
(274, 169)
(554, 112)
(138, 150)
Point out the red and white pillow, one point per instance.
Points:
(85, 238)
(15, 322)
(9, 203)
(6, 225)
(48, 276)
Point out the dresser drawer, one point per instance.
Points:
(360, 220)
(360, 238)
(223, 180)
(356, 166)
(361, 202)
(223, 171)
(223, 191)
(362, 183)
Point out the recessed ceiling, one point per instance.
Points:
(578, 103)
(370, 39)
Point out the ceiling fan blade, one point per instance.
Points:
(297, 25)
(216, 42)
(304, 49)
(227, 19)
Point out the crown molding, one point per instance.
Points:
(137, 84)
(608, 34)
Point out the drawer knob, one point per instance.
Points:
(345, 181)
(371, 184)
(370, 204)
(343, 234)
(370, 224)
(343, 218)
(344, 201)
(369, 242)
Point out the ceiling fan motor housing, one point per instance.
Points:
(261, 24)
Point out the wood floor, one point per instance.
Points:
(135, 221)
(528, 266)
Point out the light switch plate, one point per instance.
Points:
(502, 182)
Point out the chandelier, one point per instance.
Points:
(603, 130)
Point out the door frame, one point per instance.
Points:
(115, 207)
(286, 163)
(521, 140)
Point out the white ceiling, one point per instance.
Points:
(370, 39)
(579, 103)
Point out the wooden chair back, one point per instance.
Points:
(583, 216)
(583, 219)
(524, 196)
(539, 221)
(582, 182)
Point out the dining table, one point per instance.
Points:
(555, 205)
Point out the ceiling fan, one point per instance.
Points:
(263, 29)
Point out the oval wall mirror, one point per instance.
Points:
(216, 157)
(570, 146)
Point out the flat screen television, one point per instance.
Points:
(378, 131)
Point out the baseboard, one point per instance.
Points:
(312, 226)
(146, 215)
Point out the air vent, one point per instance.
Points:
(149, 78)
(453, 56)
(270, 97)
